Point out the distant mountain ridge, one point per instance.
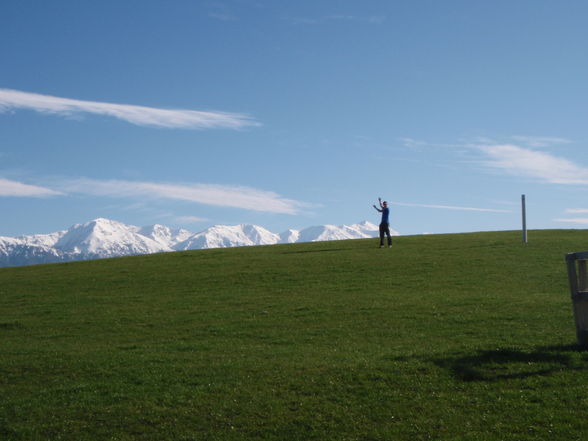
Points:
(102, 238)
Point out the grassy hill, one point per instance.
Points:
(443, 337)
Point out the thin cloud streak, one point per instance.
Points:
(219, 195)
(190, 219)
(539, 165)
(521, 159)
(371, 19)
(138, 115)
(577, 220)
(540, 141)
(577, 210)
(18, 189)
(450, 207)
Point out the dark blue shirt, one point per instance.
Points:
(385, 215)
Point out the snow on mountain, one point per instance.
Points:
(27, 250)
(290, 236)
(102, 238)
(106, 238)
(165, 236)
(363, 230)
(7, 243)
(224, 236)
(370, 230)
(42, 240)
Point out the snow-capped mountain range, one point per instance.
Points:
(101, 238)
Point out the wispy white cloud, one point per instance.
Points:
(139, 115)
(413, 143)
(341, 17)
(305, 21)
(531, 142)
(526, 157)
(219, 195)
(18, 189)
(450, 207)
(525, 141)
(573, 220)
(222, 16)
(522, 161)
(190, 219)
(370, 19)
(376, 19)
(540, 141)
(523, 156)
(577, 210)
(417, 144)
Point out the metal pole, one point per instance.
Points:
(524, 219)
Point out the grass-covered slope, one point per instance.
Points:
(461, 337)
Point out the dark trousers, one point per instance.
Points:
(385, 229)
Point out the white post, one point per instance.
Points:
(524, 219)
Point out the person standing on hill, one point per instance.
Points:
(384, 223)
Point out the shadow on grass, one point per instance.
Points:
(503, 364)
(9, 326)
(318, 251)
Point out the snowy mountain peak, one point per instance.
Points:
(259, 235)
(362, 230)
(366, 225)
(224, 236)
(289, 236)
(164, 235)
(102, 237)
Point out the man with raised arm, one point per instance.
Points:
(384, 223)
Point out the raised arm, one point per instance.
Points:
(381, 206)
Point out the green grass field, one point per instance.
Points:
(443, 337)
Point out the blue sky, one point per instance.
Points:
(293, 114)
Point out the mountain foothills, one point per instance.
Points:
(102, 238)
